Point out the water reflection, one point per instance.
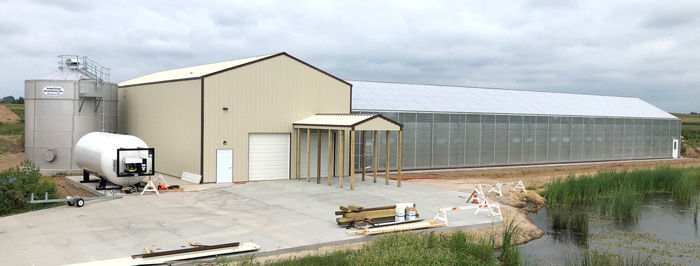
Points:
(664, 229)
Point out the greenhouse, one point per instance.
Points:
(457, 127)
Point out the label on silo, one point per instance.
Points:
(53, 90)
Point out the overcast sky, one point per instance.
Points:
(645, 49)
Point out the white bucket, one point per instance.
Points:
(410, 213)
(400, 214)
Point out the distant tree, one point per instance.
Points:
(19, 100)
(7, 99)
(693, 113)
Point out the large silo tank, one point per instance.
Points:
(63, 106)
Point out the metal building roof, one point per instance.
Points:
(191, 72)
(385, 96)
(347, 121)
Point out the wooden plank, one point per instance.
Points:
(345, 209)
(378, 213)
(396, 228)
(340, 212)
(380, 208)
(374, 220)
(355, 208)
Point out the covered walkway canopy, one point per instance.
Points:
(342, 123)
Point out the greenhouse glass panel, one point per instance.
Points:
(588, 138)
(647, 138)
(609, 139)
(542, 139)
(488, 136)
(655, 138)
(457, 138)
(577, 132)
(665, 139)
(619, 138)
(638, 138)
(408, 148)
(554, 139)
(424, 137)
(515, 147)
(566, 143)
(473, 140)
(441, 139)
(628, 134)
(501, 142)
(599, 144)
(529, 129)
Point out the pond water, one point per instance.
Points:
(664, 231)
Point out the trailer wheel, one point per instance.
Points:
(80, 203)
(70, 203)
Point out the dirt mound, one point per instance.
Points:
(7, 116)
(691, 152)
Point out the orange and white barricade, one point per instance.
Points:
(499, 186)
(493, 210)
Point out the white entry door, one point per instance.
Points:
(268, 156)
(675, 148)
(224, 166)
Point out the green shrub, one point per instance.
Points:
(18, 183)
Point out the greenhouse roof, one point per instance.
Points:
(403, 97)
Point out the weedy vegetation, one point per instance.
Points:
(620, 194)
(459, 248)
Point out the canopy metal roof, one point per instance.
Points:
(385, 96)
(348, 121)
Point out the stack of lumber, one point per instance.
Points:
(360, 214)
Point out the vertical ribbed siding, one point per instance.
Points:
(167, 117)
(264, 97)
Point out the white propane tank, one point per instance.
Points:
(96, 152)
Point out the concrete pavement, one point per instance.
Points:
(277, 215)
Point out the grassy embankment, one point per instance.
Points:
(412, 249)
(12, 134)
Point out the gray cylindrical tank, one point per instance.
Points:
(62, 106)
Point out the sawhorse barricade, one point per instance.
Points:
(493, 210)
(498, 187)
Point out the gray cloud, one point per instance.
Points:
(630, 48)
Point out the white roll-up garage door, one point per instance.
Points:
(268, 156)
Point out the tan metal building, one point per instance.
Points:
(234, 121)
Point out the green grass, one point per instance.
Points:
(599, 258)
(459, 248)
(620, 194)
(11, 129)
(574, 220)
